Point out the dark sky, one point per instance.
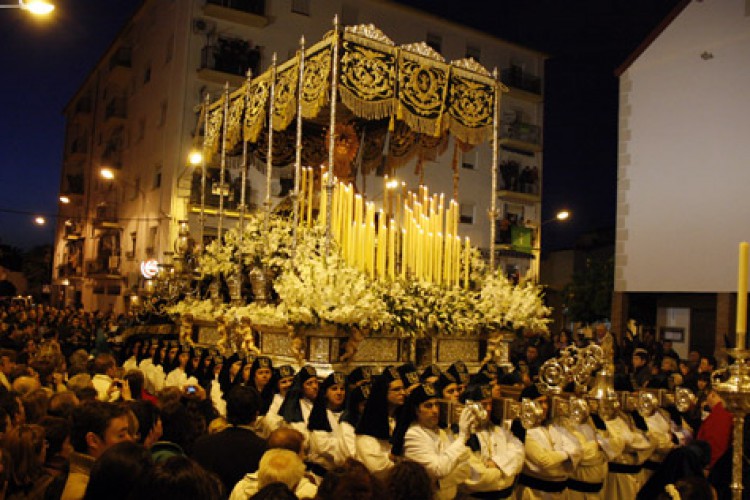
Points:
(45, 62)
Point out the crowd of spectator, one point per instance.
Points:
(88, 411)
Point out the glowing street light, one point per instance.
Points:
(39, 220)
(560, 216)
(35, 7)
(195, 157)
(107, 173)
(64, 199)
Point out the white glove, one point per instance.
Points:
(466, 422)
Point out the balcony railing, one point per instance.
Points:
(515, 77)
(79, 146)
(523, 132)
(68, 271)
(122, 58)
(109, 265)
(231, 56)
(257, 7)
(116, 108)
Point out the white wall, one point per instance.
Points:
(684, 163)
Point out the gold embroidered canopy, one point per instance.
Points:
(375, 80)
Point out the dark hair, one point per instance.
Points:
(135, 380)
(243, 404)
(181, 426)
(178, 478)
(61, 404)
(103, 362)
(87, 394)
(350, 481)
(711, 360)
(92, 416)
(117, 470)
(56, 430)
(147, 415)
(9, 402)
(408, 480)
(35, 405)
(274, 491)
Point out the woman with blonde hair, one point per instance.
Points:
(27, 449)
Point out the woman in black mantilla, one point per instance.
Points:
(327, 449)
(375, 427)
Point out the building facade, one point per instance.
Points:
(682, 205)
(137, 115)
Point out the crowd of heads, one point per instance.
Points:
(134, 438)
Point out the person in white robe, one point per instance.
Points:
(378, 420)
(418, 437)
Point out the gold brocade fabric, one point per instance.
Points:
(255, 112)
(285, 97)
(283, 147)
(417, 91)
(423, 86)
(213, 128)
(367, 82)
(316, 83)
(471, 106)
(234, 118)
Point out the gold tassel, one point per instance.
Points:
(392, 124)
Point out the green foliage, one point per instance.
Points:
(588, 297)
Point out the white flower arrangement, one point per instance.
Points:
(203, 310)
(503, 304)
(316, 288)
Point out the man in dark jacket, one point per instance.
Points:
(236, 450)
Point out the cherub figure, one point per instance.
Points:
(247, 339)
(297, 346)
(352, 345)
(222, 331)
(186, 329)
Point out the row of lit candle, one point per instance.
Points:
(427, 240)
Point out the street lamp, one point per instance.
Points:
(35, 7)
(106, 173)
(64, 199)
(560, 216)
(195, 157)
(39, 220)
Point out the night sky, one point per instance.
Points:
(46, 61)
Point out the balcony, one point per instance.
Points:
(119, 65)
(521, 137)
(517, 182)
(116, 109)
(105, 216)
(251, 13)
(68, 271)
(528, 87)
(73, 184)
(228, 61)
(78, 149)
(104, 266)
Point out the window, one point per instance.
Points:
(466, 213)
(136, 188)
(169, 49)
(474, 51)
(435, 41)
(147, 74)
(157, 177)
(162, 114)
(301, 7)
